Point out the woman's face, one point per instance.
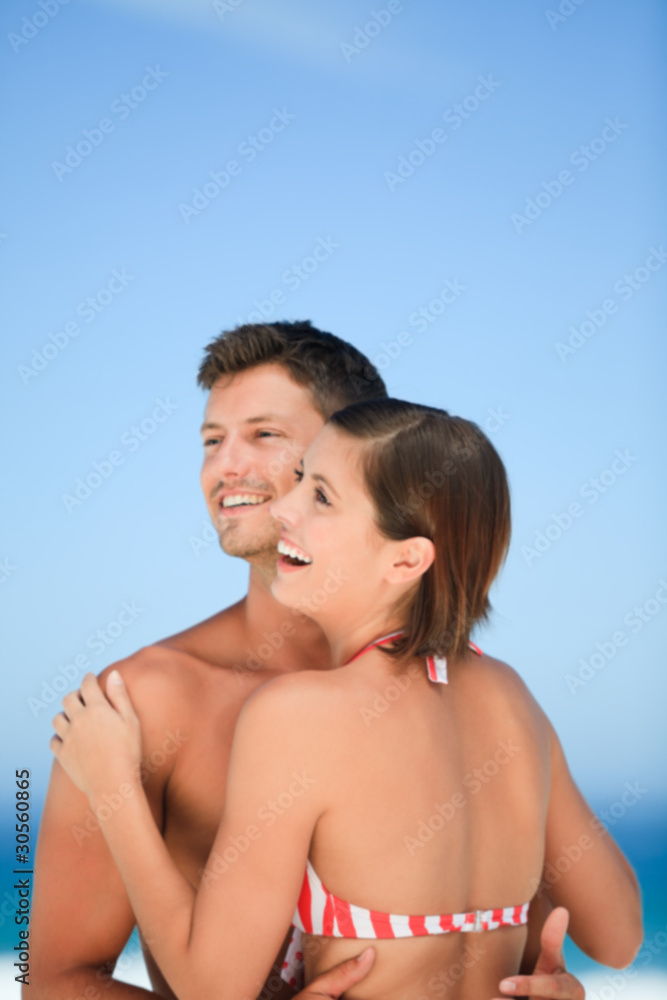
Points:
(328, 524)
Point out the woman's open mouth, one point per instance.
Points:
(291, 556)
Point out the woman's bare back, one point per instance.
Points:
(438, 801)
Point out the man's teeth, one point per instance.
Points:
(289, 550)
(242, 498)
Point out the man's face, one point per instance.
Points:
(257, 425)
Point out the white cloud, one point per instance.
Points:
(310, 34)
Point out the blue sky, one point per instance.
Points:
(482, 183)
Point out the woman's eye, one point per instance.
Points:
(299, 475)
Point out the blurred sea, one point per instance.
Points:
(644, 843)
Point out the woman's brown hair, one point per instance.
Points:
(439, 477)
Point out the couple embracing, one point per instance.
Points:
(296, 838)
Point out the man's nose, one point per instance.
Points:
(233, 458)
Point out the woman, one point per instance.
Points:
(420, 784)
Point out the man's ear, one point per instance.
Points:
(410, 560)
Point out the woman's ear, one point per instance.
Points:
(411, 558)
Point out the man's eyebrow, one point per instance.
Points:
(265, 418)
(262, 419)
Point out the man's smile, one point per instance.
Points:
(233, 503)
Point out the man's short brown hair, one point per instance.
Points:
(335, 372)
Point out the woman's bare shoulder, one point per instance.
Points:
(302, 692)
(504, 685)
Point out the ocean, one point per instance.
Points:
(644, 843)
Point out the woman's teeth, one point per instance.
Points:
(293, 553)
(240, 499)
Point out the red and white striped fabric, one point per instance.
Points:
(321, 912)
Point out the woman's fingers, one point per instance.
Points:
(61, 724)
(119, 697)
(91, 691)
(72, 704)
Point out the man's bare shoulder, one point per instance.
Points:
(211, 640)
(178, 671)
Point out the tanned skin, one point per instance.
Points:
(188, 691)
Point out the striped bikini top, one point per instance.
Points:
(320, 912)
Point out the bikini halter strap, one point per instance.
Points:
(436, 665)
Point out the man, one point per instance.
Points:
(271, 390)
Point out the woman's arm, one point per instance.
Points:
(221, 940)
(586, 872)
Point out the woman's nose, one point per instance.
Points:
(284, 512)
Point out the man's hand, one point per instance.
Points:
(333, 983)
(549, 978)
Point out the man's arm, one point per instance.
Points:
(197, 936)
(81, 917)
(586, 872)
